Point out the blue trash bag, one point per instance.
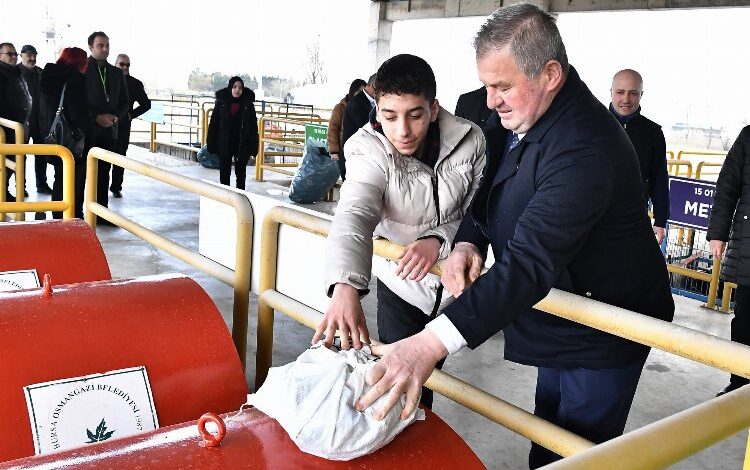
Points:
(315, 176)
(208, 160)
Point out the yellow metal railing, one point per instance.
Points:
(702, 165)
(66, 206)
(673, 167)
(239, 278)
(669, 440)
(193, 129)
(19, 165)
(682, 153)
(278, 137)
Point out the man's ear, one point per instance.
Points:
(553, 74)
(434, 110)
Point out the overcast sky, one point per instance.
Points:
(695, 62)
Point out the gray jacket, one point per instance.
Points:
(401, 199)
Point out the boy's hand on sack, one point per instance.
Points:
(344, 313)
(403, 368)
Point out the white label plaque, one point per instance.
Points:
(17, 280)
(79, 411)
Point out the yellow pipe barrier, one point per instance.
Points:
(726, 296)
(676, 164)
(559, 440)
(20, 164)
(67, 205)
(665, 442)
(700, 153)
(696, 345)
(713, 286)
(702, 165)
(239, 279)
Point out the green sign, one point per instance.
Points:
(316, 134)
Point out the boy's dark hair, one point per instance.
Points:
(405, 74)
(95, 35)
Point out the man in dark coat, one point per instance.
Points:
(138, 95)
(32, 75)
(648, 141)
(109, 103)
(473, 106)
(15, 100)
(729, 223)
(561, 204)
(356, 115)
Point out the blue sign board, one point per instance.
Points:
(690, 202)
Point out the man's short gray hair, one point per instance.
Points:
(531, 33)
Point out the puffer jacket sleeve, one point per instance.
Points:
(475, 144)
(334, 129)
(728, 189)
(349, 243)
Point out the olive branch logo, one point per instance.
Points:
(101, 433)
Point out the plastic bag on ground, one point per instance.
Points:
(315, 176)
(208, 160)
(313, 399)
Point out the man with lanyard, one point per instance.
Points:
(109, 102)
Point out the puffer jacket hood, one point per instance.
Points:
(399, 198)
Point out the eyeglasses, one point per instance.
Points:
(12, 54)
(124, 64)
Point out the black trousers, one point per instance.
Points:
(40, 161)
(121, 147)
(741, 325)
(398, 319)
(102, 138)
(341, 162)
(240, 170)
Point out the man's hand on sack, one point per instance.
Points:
(403, 368)
(417, 258)
(462, 268)
(344, 313)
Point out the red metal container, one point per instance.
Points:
(67, 250)
(253, 440)
(166, 323)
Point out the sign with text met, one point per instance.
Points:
(690, 202)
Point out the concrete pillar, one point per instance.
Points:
(379, 35)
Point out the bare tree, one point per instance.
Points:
(314, 67)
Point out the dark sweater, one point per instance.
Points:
(651, 148)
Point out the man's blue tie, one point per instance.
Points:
(510, 143)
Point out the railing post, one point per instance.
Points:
(260, 160)
(3, 172)
(726, 297)
(269, 244)
(92, 176)
(152, 146)
(242, 264)
(746, 466)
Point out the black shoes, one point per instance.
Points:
(44, 189)
(730, 388)
(116, 194)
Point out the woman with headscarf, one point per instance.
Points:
(68, 72)
(233, 131)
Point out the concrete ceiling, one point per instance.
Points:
(398, 10)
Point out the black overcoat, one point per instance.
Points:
(219, 136)
(565, 210)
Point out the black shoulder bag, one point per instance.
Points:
(62, 133)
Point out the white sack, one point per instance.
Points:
(313, 399)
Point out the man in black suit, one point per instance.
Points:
(473, 106)
(137, 95)
(356, 115)
(109, 103)
(561, 193)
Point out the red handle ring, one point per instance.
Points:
(209, 440)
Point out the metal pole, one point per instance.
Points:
(713, 286)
